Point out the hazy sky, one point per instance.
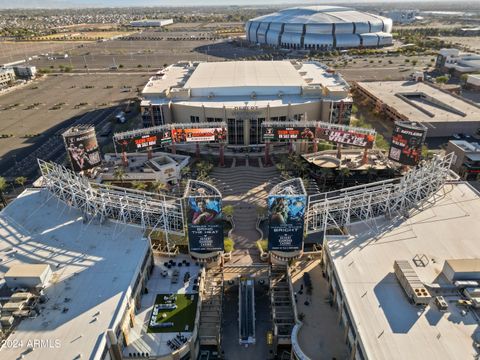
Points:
(8, 4)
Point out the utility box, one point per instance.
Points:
(461, 269)
(28, 275)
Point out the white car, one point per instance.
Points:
(456, 136)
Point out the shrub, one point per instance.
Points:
(228, 244)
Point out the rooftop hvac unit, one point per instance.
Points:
(441, 303)
(410, 282)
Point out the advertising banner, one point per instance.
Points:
(345, 137)
(289, 133)
(218, 135)
(406, 144)
(302, 133)
(204, 221)
(145, 141)
(82, 149)
(286, 219)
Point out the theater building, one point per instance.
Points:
(244, 94)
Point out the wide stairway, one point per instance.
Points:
(246, 188)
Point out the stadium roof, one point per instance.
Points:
(390, 327)
(93, 269)
(318, 14)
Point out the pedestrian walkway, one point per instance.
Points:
(246, 188)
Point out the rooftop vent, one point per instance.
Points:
(411, 284)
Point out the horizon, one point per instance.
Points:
(86, 4)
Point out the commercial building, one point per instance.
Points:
(441, 112)
(151, 23)
(404, 16)
(84, 287)
(467, 158)
(25, 71)
(435, 246)
(473, 82)
(244, 94)
(320, 28)
(162, 167)
(7, 77)
(456, 62)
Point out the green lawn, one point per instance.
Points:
(182, 316)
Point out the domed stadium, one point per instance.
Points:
(320, 28)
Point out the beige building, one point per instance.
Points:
(7, 77)
(244, 94)
(443, 113)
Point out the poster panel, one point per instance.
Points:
(204, 221)
(217, 135)
(286, 220)
(275, 134)
(82, 150)
(145, 141)
(345, 137)
(406, 144)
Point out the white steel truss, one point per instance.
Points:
(340, 208)
(101, 202)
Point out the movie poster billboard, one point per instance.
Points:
(216, 135)
(286, 219)
(144, 142)
(305, 133)
(345, 137)
(204, 221)
(288, 133)
(406, 144)
(82, 149)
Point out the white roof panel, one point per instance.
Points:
(389, 326)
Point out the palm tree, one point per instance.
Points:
(139, 185)
(3, 186)
(228, 245)
(228, 210)
(119, 174)
(344, 173)
(324, 172)
(371, 172)
(21, 180)
(185, 172)
(158, 186)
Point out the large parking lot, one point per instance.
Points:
(47, 106)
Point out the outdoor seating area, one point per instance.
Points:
(173, 313)
(177, 342)
(167, 309)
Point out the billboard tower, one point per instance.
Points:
(407, 141)
(203, 205)
(287, 203)
(82, 147)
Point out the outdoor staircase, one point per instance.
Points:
(281, 303)
(211, 310)
(246, 188)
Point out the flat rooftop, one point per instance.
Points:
(250, 74)
(390, 327)
(409, 98)
(93, 268)
(236, 81)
